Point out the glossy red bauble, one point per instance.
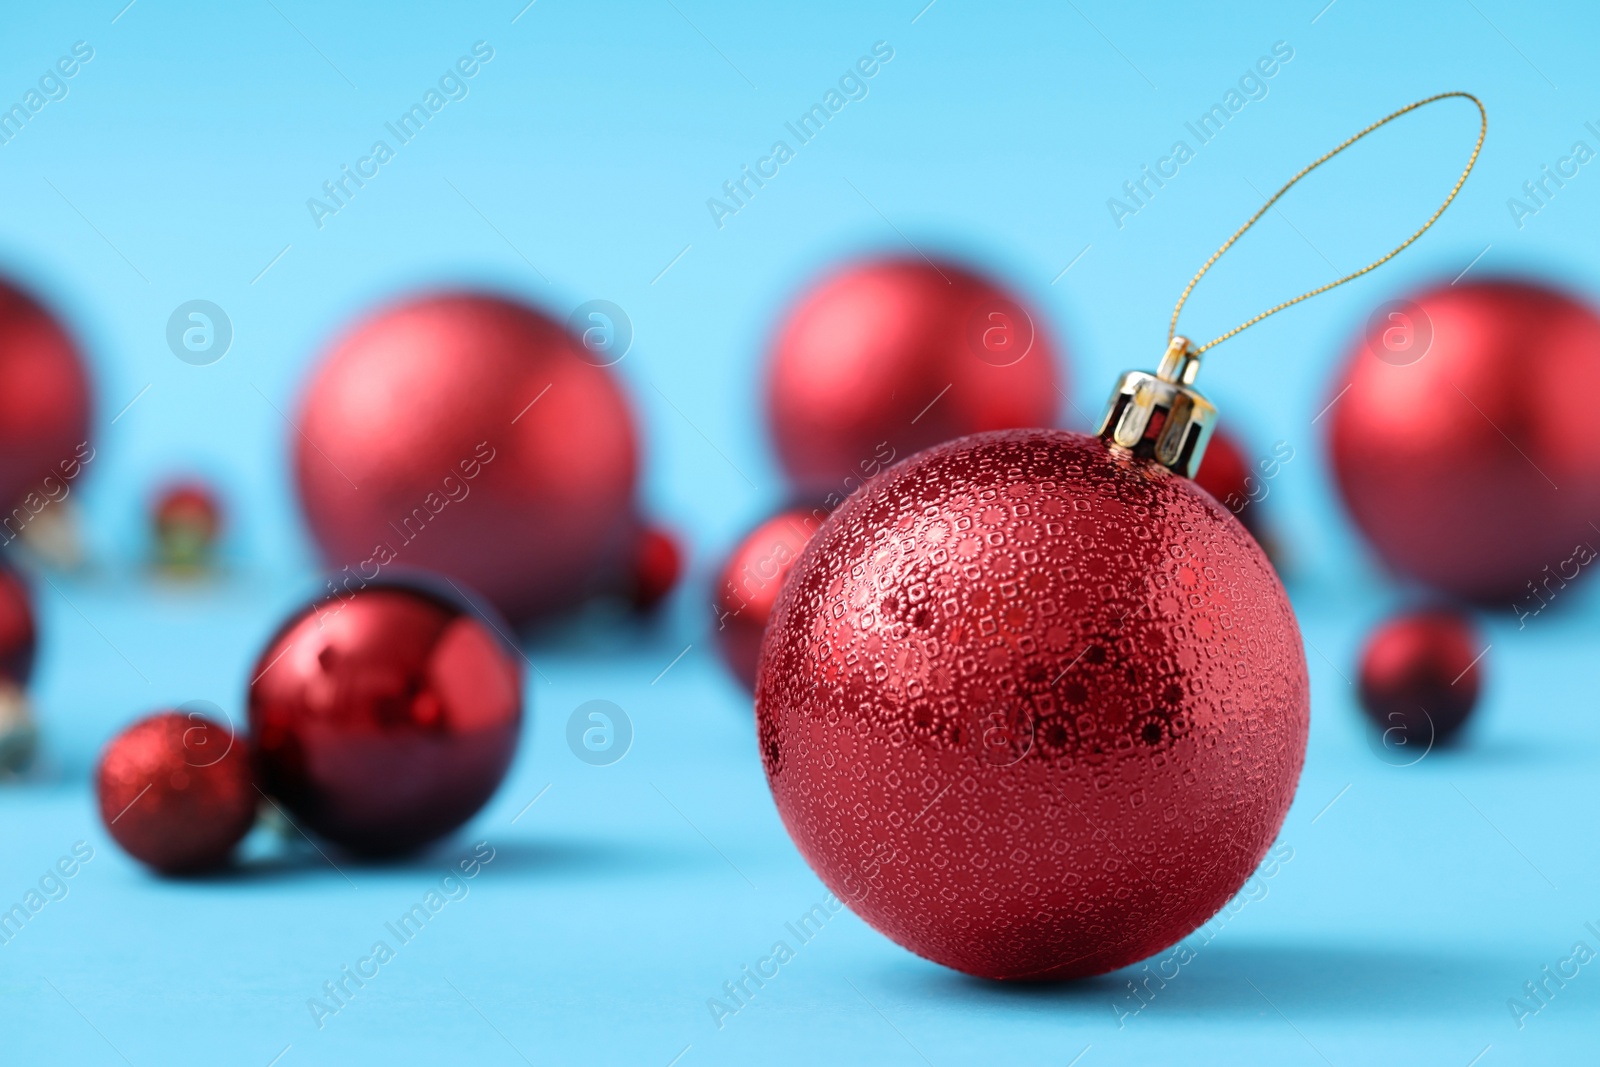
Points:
(385, 717)
(747, 586)
(472, 436)
(176, 793)
(1420, 677)
(1460, 431)
(44, 401)
(1032, 708)
(890, 356)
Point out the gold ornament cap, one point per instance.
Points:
(1161, 416)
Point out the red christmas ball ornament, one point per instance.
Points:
(890, 356)
(473, 436)
(1033, 704)
(385, 718)
(1420, 677)
(44, 400)
(18, 637)
(176, 791)
(1225, 473)
(747, 586)
(657, 565)
(187, 519)
(1460, 436)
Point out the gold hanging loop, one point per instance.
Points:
(1482, 131)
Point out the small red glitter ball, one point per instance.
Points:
(176, 792)
(747, 587)
(889, 356)
(1031, 707)
(385, 718)
(1420, 677)
(657, 565)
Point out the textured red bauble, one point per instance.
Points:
(44, 399)
(1032, 707)
(1420, 677)
(385, 718)
(1461, 434)
(176, 791)
(889, 356)
(470, 435)
(747, 586)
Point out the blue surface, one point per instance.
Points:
(578, 166)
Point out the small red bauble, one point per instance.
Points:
(747, 587)
(890, 356)
(187, 519)
(486, 445)
(1226, 474)
(176, 792)
(1460, 431)
(1420, 676)
(657, 565)
(18, 637)
(386, 717)
(1033, 708)
(44, 401)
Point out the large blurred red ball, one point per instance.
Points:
(890, 356)
(1420, 676)
(1461, 432)
(385, 719)
(747, 586)
(176, 792)
(44, 399)
(469, 435)
(1032, 708)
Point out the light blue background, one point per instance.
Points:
(178, 167)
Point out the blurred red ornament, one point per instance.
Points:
(1420, 676)
(657, 565)
(887, 357)
(18, 637)
(385, 719)
(1456, 418)
(1225, 473)
(187, 520)
(1031, 706)
(44, 401)
(176, 792)
(747, 587)
(487, 443)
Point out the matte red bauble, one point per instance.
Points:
(1420, 676)
(747, 586)
(1460, 432)
(470, 435)
(176, 793)
(44, 399)
(887, 357)
(657, 565)
(1034, 706)
(385, 719)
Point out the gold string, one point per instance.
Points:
(1482, 131)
